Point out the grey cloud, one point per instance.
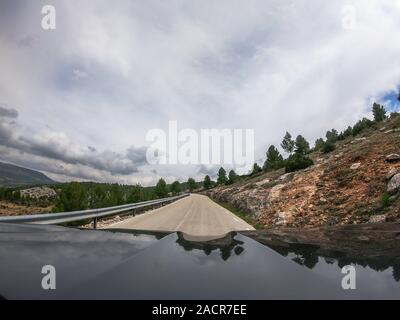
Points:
(27, 41)
(208, 170)
(8, 112)
(53, 146)
(137, 155)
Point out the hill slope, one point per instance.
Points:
(347, 186)
(11, 175)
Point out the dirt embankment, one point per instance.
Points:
(347, 186)
(14, 209)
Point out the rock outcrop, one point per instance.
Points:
(358, 182)
(394, 184)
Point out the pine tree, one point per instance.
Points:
(175, 187)
(332, 136)
(161, 189)
(207, 184)
(288, 143)
(379, 112)
(232, 176)
(302, 145)
(191, 184)
(256, 169)
(222, 179)
(319, 143)
(274, 159)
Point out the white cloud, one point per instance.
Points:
(79, 74)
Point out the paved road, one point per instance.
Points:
(195, 215)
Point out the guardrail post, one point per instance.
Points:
(95, 223)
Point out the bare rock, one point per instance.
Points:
(394, 184)
(282, 218)
(275, 192)
(355, 166)
(377, 218)
(392, 172)
(38, 192)
(285, 176)
(394, 157)
(263, 181)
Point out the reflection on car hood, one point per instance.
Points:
(94, 264)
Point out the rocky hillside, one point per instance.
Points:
(358, 182)
(11, 175)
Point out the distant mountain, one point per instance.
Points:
(12, 176)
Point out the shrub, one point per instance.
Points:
(328, 147)
(361, 125)
(319, 143)
(297, 162)
(385, 200)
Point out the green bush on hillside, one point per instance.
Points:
(297, 162)
(328, 146)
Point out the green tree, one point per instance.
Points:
(116, 195)
(328, 147)
(379, 112)
(348, 132)
(398, 98)
(319, 143)
(136, 194)
(361, 125)
(222, 179)
(274, 159)
(207, 183)
(161, 189)
(256, 169)
(191, 184)
(288, 143)
(232, 177)
(302, 145)
(175, 187)
(332, 136)
(73, 197)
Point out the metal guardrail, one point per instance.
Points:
(64, 217)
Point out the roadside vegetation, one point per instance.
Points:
(90, 195)
(241, 214)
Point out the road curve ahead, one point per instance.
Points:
(195, 215)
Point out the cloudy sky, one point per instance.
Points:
(76, 102)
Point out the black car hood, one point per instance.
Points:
(94, 264)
